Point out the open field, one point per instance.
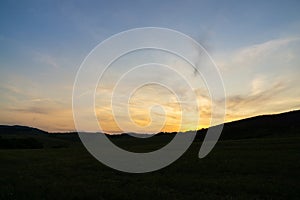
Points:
(265, 168)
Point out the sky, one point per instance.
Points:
(255, 44)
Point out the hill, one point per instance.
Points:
(23, 137)
(278, 125)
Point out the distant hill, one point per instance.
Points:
(23, 137)
(278, 125)
(16, 129)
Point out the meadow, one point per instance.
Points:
(257, 168)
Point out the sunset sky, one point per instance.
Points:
(255, 44)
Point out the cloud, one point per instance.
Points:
(47, 114)
(261, 100)
(30, 110)
(39, 106)
(261, 78)
(258, 84)
(46, 59)
(254, 54)
(262, 50)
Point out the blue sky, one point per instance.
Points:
(42, 44)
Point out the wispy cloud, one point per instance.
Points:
(46, 59)
(261, 100)
(252, 55)
(44, 106)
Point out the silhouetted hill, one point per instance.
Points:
(16, 129)
(23, 137)
(278, 125)
(284, 124)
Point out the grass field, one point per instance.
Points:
(266, 168)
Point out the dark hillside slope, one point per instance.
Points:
(282, 125)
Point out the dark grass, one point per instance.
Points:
(266, 168)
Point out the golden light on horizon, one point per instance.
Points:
(153, 109)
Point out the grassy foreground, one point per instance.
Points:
(266, 168)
